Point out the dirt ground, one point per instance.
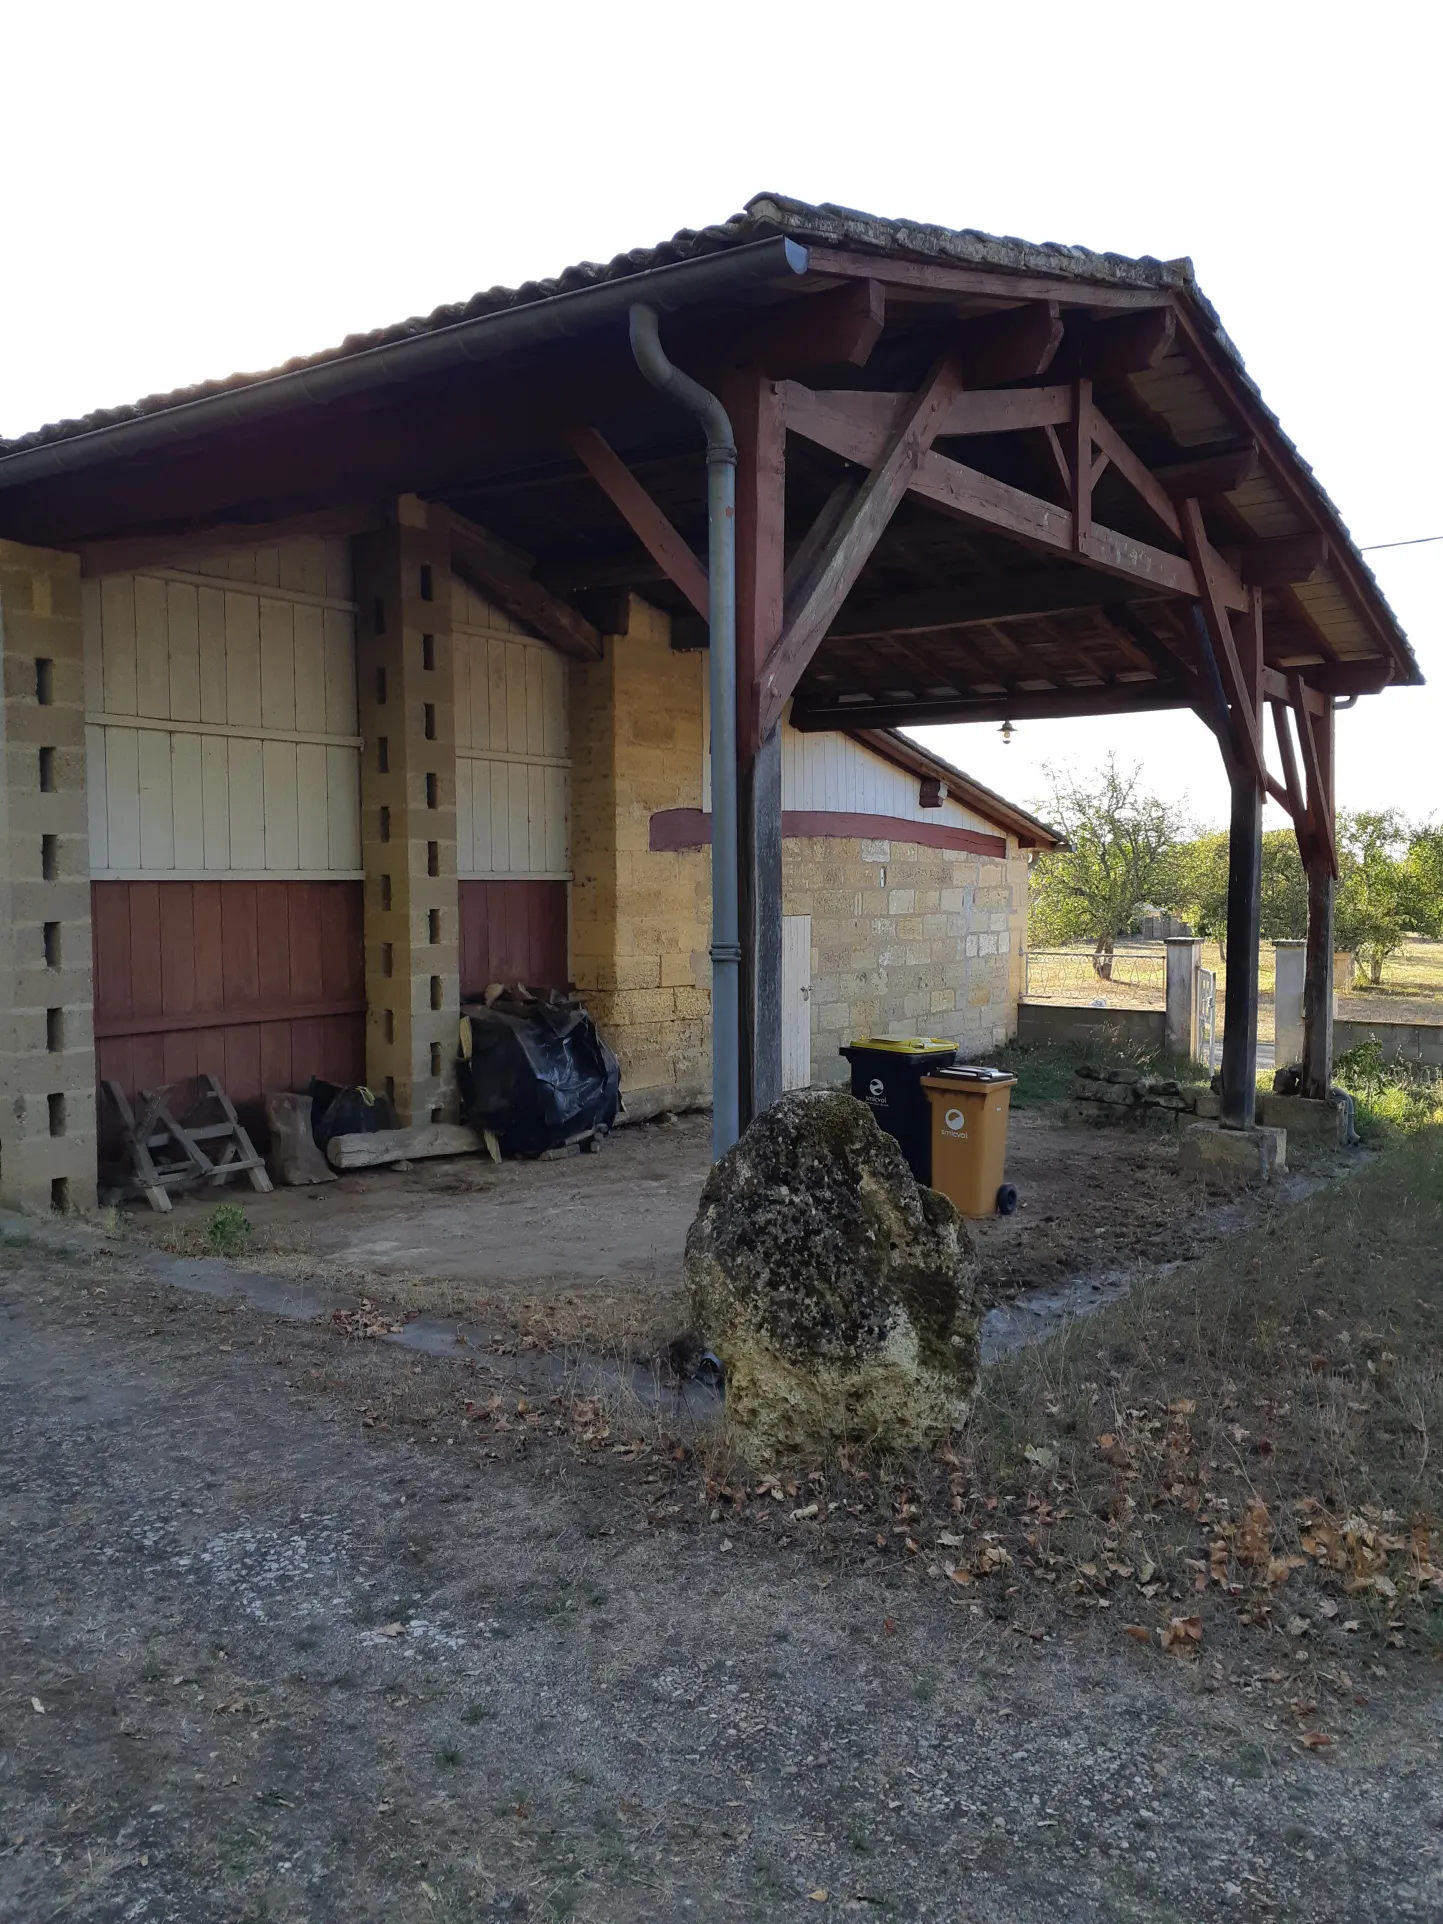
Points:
(267, 1657)
(590, 1248)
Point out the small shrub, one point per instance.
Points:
(228, 1230)
(1390, 1095)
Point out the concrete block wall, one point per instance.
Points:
(640, 919)
(47, 1041)
(406, 689)
(907, 940)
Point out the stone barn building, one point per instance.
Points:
(208, 790)
(331, 694)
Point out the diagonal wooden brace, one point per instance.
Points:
(1242, 695)
(858, 532)
(651, 527)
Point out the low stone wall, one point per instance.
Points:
(1123, 1095)
(1140, 1029)
(1400, 1041)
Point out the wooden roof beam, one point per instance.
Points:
(1283, 561)
(645, 519)
(811, 715)
(852, 427)
(503, 574)
(1119, 345)
(1017, 344)
(973, 604)
(1210, 471)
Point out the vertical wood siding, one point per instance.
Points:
(832, 774)
(221, 734)
(513, 932)
(512, 758)
(260, 984)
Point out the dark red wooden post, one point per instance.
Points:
(752, 401)
(1318, 961)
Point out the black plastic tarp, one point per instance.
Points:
(537, 1076)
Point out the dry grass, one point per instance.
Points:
(1249, 1445)
(1411, 989)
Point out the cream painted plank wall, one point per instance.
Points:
(221, 727)
(512, 756)
(833, 775)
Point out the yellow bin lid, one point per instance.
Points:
(905, 1045)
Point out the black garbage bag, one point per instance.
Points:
(353, 1111)
(537, 1075)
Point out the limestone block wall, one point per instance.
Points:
(907, 940)
(640, 918)
(406, 686)
(47, 1046)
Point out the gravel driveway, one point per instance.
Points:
(262, 1662)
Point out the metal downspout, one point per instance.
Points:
(726, 952)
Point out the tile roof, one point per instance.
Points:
(764, 217)
(768, 216)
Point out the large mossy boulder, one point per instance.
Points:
(836, 1290)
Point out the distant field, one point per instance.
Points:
(1411, 989)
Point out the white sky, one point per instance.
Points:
(195, 189)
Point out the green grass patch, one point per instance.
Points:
(1045, 1070)
(1391, 1098)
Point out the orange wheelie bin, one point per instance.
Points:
(969, 1139)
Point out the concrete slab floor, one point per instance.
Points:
(590, 1248)
(619, 1215)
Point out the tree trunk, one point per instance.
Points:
(1102, 958)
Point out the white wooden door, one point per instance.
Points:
(796, 1001)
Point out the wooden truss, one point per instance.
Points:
(1016, 372)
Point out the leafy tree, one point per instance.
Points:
(1371, 910)
(1204, 887)
(1423, 881)
(1122, 850)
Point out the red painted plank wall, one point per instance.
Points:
(261, 984)
(513, 932)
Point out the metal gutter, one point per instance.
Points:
(726, 950)
(559, 317)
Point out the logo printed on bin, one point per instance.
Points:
(876, 1088)
(956, 1122)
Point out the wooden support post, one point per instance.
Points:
(757, 421)
(1249, 775)
(1318, 963)
(1240, 1010)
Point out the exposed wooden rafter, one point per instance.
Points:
(1104, 349)
(1115, 698)
(1211, 471)
(503, 574)
(1017, 344)
(1283, 561)
(973, 603)
(671, 552)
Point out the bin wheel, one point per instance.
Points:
(1006, 1200)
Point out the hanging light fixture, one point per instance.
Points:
(1007, 731)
